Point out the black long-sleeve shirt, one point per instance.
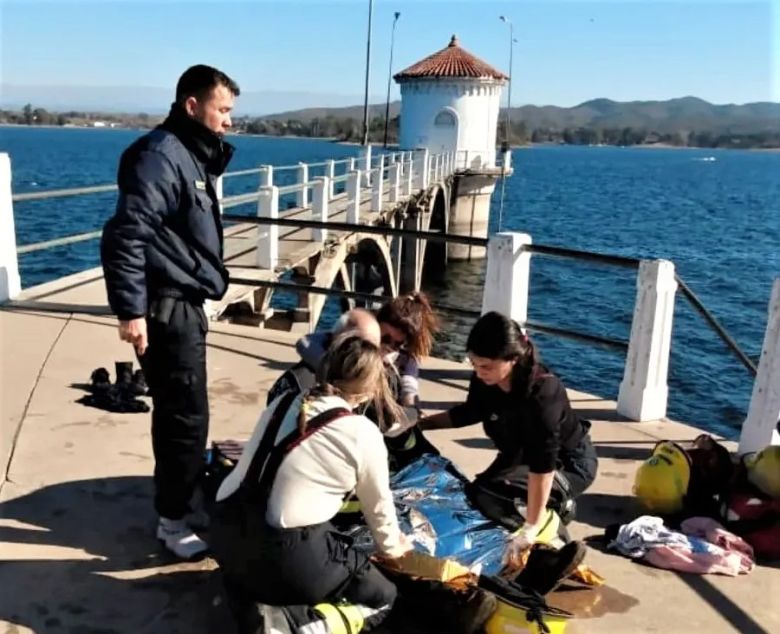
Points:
(537, 429)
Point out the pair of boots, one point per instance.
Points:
(120, 396)
(132, 382)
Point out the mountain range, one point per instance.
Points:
(685, 113)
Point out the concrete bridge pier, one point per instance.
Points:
(470, 213)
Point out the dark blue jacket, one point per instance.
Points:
(166, 232)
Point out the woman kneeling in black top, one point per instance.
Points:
(545, 455)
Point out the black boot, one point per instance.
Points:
(100, 380)
(138, 385)
(547, 567)
(124, 373)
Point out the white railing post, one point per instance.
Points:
(10, 282)
(760, 426)
(330, 174)
(410, 175)
(507, 276)
(423, 163)
(377, 193)
(319, 207)
(506, 160)
(266, 176)
(353, 197)
(268, 235)
(302, 195)
(218, 190)
(352, 165)
(395, 182)
(644, 390)
(366, 171)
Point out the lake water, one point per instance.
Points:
(716, 214)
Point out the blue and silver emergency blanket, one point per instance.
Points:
(435, 512)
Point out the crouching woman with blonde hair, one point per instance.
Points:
(272, 533)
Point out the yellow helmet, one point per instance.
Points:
(662, 480)
(763, 470)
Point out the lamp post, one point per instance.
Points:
(368, 72)
(508, 123)
(396, 15)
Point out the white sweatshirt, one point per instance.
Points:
(346, 455)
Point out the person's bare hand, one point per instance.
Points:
(134, 331)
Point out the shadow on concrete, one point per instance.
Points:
(601, 509)
(271, 364)
(438, 405)
(81, 557)
(476, 443)
(617, 452)
(599, 413)
(740, 620)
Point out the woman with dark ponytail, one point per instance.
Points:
(545, 455)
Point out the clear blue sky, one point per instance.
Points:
(567, 52)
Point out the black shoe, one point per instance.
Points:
(547, 567)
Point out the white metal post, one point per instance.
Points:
(644, 390)
(351, 165)
(10, 282)
(302, 195)
(507, 160)
(353, 197)
(366, 171)
(330, 174)
(266, 176)
(507, 276)
(395, 182)
(410, 175)
(425, 166)
(218, 189)
(760, 426)
(377, 193)
(268, 235)
(319, 207)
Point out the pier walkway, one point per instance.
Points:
(76, 522)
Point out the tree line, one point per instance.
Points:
(350, 129)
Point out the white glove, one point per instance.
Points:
(518, 544)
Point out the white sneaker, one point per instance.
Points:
(179, 539)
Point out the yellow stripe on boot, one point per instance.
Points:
(343, 618)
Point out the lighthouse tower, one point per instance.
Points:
(450, 102)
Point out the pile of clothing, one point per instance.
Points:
(700, 480)
(701, 546)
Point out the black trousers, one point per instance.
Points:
(175, 368)
(296, 568)
(495, 491)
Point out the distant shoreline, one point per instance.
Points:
(646, 146)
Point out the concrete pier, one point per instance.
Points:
(76, 519)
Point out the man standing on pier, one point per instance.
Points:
(162, 258)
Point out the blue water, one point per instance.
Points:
(719, 221)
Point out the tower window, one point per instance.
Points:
(445, 119)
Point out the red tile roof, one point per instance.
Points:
(451, 61)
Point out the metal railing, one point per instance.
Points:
(416, 172)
